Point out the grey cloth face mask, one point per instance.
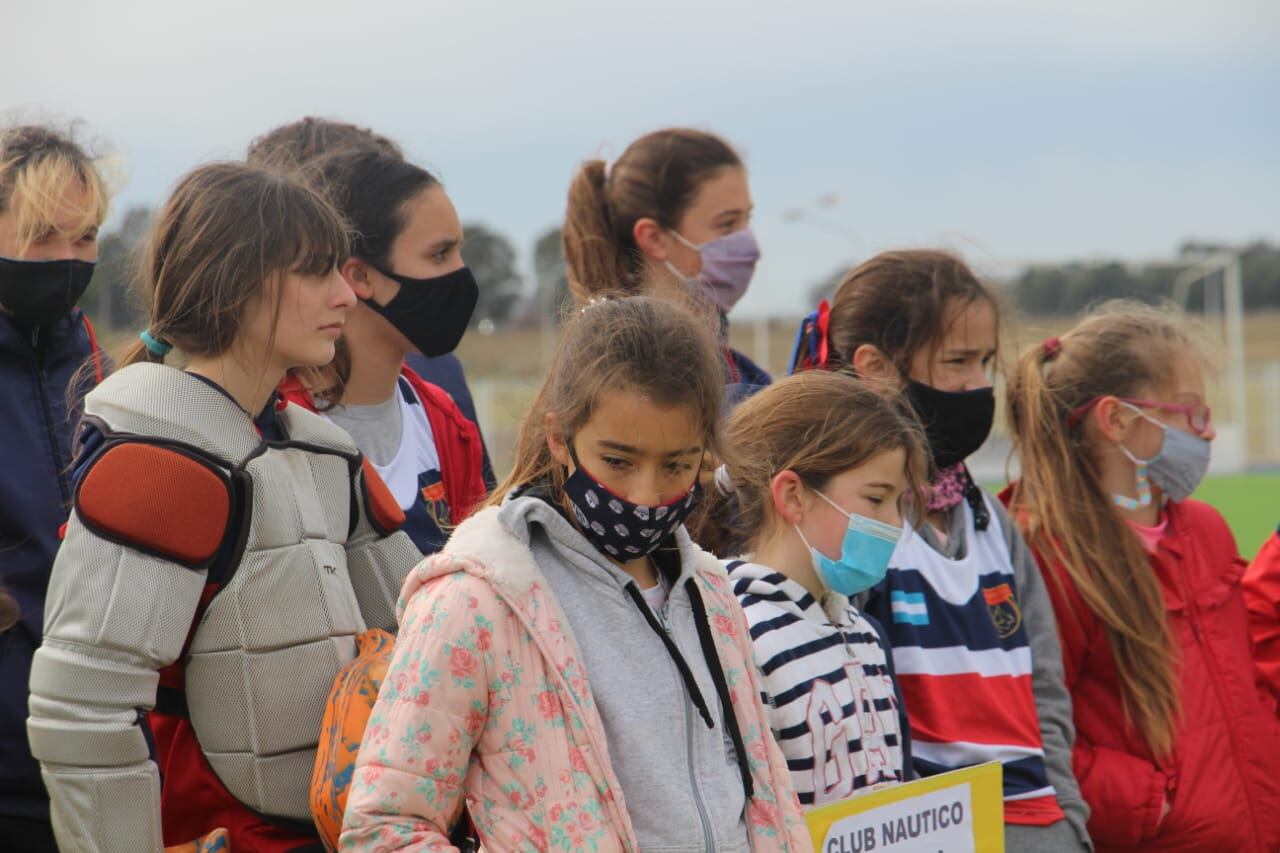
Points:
(1181, 464)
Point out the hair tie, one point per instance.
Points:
(608, 170)
(593, 302)
(814, 339)
(724, 482)
(1051, 346)
(155, 346)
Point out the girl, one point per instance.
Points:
(572, 664)
(673, 214)
(415, 295)
(1176, 750)
(963, 602)
(231, 543)
(823, 464)
(52, 202)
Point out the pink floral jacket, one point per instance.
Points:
(486, 699)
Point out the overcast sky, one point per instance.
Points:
(1012, 131)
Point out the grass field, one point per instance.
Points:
(1251, 504)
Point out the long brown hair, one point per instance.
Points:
(647, 345)
(819, 425)
(901, 302)
(657, 176)
(228, 233)
(1121, 349)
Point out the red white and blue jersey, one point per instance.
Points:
(413, 475)
(963, 664)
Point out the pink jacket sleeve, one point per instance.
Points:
(408, 784)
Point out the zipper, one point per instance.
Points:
(709, 846)
(41, 377)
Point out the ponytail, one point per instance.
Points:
(592, 257)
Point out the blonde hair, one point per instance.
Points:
(37, 167)
(638, 343)
(818, 424)
(1121, 349)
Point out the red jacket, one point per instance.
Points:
(457, 442)
(1223, 780)
(1262, 595)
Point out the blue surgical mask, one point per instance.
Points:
(864, 554)
(1177, 469)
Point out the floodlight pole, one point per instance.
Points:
(1232, 290)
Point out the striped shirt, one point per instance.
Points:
(964, 664)
(834, 706)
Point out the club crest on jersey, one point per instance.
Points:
(1004, 610)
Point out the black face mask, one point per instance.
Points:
(431, 312)
(955, 422)
(38, 293)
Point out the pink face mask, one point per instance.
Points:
(728, 263)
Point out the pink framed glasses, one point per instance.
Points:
(1199, 416)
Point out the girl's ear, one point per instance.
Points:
(1114, 419)
(356, 272)
(650, 238)
(876, 370)
(788, 497)
(556, 442)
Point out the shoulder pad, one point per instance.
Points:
(380, 505)
(159, 499)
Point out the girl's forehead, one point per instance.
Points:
(626, 418)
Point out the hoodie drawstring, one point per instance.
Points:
(722, 684)
(685, 674)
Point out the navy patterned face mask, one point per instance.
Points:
(617, 527)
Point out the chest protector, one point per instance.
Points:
(283, 623)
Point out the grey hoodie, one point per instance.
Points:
(680, 778)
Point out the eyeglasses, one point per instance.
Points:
(1199, 416)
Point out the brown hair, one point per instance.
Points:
(901, 302)
(657, 176)
(1120, 349)
(37, 164)
(228, 232)
(819, 425)
(639, 343)
(9, 611)
(300, 143)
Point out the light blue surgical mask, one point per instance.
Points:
(864, 554)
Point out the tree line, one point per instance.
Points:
(1071, 287)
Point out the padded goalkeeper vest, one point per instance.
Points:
(264, 655)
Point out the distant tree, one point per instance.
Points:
(1072, 287)
(112, 296)
(549, 273)
(493, 260)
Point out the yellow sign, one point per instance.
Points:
(957, 812)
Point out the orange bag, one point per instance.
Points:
(346, 714)
(215, 842)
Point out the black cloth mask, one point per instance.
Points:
(955, 422)
(432, 313)
(38, 293)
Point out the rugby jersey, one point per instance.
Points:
(413, 473)
(963, 663)
(834, 707)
